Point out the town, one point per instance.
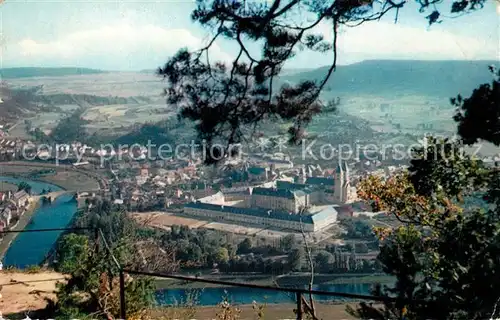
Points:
(280, 159)
(257, 194)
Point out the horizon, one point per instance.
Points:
(284, 69)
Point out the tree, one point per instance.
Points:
(361, 247)
(228, 102)
(357, 228)
(70, 128)
(288, 242)
(222, 256)
(478, 116)
(93, 276)
(244, 246)
(24, 186)
(295, 258)
(446, 253)
(73, 251)
(322, 259)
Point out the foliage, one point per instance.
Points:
(72, 250)
(93, 288)
(70, 129)
(155, 133)
(227, 311)
(288, 242)
(227, 102)
(323, 258)
(24, 186)
(446, 253)
(295, 258)
(357, 228)
(222, 255)
(244, 246)
(478, 116)
(33, 269)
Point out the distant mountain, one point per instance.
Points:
(288, 72)
(149, 71)
(383, 77)
(11, 73)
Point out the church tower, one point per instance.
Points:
(346, 193)
(339, 183)
(342, 188)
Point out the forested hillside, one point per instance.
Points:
(392, 77)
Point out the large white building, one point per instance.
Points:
(278, 199)
(271, 218)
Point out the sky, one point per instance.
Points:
(138, 35)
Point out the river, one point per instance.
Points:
(30, 248)
(212, 296)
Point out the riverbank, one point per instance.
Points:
(31, 248)
(5, 186)
(66, 176)
(246, 312)
(284, 281)
(23, 221)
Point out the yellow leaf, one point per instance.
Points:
(404, 311)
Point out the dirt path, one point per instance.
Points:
(25, 292)
(247, 312)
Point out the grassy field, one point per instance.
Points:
(66, 179)
(71, 180)
(4, 186)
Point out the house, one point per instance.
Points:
(21, 198)
(144, 172)
(140, 180)
(5, 215)
(258, 173)
(3, 196)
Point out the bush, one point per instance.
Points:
(33, 269)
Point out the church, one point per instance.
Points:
(336, 189)
(343, 192)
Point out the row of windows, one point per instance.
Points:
(241, 218)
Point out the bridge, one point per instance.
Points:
(55, 194)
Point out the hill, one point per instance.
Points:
(12, 73)
(16, 103)
(388, 77)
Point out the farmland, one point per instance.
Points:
(115, 104)
(111, 100)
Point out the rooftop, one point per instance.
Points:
(280, 184)
(272, 214)
(20, 194)
(280, 193)
(256, 170)
(320, 181)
